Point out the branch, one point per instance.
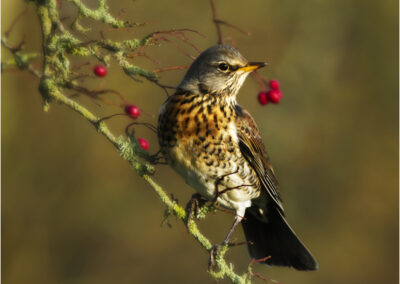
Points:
(215, 20)
(19, 60)
(100, 14)
(125, 148)
(55, 77)
(219, 22)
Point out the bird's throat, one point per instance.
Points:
(205, 116)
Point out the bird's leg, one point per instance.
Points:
(238, 217)
(215, 249)
(232, 229)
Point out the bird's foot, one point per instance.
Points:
(214, 253)
(194, 206)
(157, 159)
(217, 252)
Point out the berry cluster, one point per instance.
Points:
(131, 110)
(274, 95)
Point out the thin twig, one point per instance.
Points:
(219, 22)
(21, 61)
(15, 21)
(177, 46)
(93, 93)
(215, 20)
(170, 68)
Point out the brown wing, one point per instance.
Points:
(253, 149)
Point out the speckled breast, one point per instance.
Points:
(197, 135)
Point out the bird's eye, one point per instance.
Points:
(223, 67)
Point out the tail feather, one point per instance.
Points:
(277, 240)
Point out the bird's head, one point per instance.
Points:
(219, 70)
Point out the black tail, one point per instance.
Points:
(276, 239)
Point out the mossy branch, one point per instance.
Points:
(100, 14)
(55, 77)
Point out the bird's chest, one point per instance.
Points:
(201, 144)
(198, 136)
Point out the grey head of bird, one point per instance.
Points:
(219, 70)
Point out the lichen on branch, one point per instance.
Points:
(57, 77)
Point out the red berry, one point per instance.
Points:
(132, 111)
(143, 143)
(100, 70)
(274, 96)
(263, 98)
(274, 84)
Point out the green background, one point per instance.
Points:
(74, 212)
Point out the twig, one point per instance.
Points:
(215, 20)
(21, 60)
(93, 93)
(13, 23)
(142, 53)
(57, 44)
(177, 46)
(219, 22)
(262, 83)
(146, 124)
(151, 35)
(170, 68)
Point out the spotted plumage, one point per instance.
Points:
(215, 145)
(201, 143)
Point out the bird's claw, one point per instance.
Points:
(193, 207)
(214, 252)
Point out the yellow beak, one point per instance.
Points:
(251, 66)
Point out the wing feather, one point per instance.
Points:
(253, 150)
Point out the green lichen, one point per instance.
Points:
(133, 70)
(78, 27)
(58, 44)
(46, 23)
(80, 51)
(125, 148)
(100, 14)
(125, 45)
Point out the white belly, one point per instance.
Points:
(237, 191)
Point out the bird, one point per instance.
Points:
(216, 146)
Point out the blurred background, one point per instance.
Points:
(74, 212)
